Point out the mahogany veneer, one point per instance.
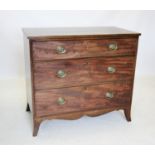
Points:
(84, 71)
(72, 72)
(83, 48)
(82, 98)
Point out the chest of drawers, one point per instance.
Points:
(72, 72)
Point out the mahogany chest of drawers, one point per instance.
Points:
(72, 72)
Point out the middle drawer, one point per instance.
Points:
(67, 73)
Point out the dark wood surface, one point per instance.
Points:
(82, 98)
(82, 71)
(85, 62)
(73, 33)
(83, 48)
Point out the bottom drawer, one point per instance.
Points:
(73, 99)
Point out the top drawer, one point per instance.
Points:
(50, 50)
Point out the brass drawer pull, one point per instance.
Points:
(61, 50)
(109, 94)
(61, 74)
(111, 69)
(113, 46)
(61, 101)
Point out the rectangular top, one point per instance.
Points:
(34, 33)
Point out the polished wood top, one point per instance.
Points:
(34, 33)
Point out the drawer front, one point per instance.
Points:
(50, 50)
(67, 73)
(58, 101)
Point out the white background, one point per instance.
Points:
(69, 4)
(112, 128)
(12, 22)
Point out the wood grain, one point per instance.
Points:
(85, 62)
(82, 98)
(83, 48)
(82, 72)
(79, 114)
(45, 34)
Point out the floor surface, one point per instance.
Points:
(111, 128)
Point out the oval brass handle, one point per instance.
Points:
(61, 101)
(109, 94)
(61, 50)
(111, 69)
(61, 74)
(113, 46)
